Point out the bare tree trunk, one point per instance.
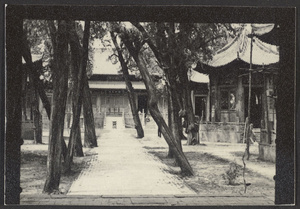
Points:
(33, 67)
(37, 117)
(192, 127)
(24, 92)
(173, 110)
(60, 87)
(78, 152)
(180, 106)
(38, 85)
(186, 168)
(90, 139)
(77, 73)
(131, 93)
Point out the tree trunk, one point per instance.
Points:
(38, 85)
(130, 90)
(78, 152)
(173, 109)
(90, 139)
(78, 145)
(180, 106)
(170, 153)
(24, 92)
(77, 74)
(37, 117)
(186, 168)
(192, 126)
(60, 87)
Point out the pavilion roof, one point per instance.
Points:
(238, 51)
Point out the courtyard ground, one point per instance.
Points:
(124, 170)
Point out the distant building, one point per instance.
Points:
(110, 99)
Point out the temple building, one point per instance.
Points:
(230, 87)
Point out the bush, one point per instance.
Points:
(232, 174)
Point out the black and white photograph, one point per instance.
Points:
(149, 105)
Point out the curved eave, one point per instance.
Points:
(235, 64)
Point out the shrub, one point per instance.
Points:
(232, 174)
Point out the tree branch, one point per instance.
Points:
(147, 39)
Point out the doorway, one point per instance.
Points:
(142, 103)
(200, 104)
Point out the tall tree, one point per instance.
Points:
(177, 46)
(31, 69)
(60, 86)
(134, 45)
(78, 73)
(35, 32)
(90, 139)
(173, 109)
(130, 89)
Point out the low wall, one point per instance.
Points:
(267, 152)
(221, 132)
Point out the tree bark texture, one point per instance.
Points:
(33, 92)
(60, 87)
(77, 88)
(191, 126)
(78, 152)
(38, 85)
(24, 91)
(37, 119)
(130, 90)
(173, 110)
(186, 168)
(90, 139)
(33, 69)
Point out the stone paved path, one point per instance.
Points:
(121, 166)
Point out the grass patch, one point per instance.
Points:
(34, 171)
(209, 171)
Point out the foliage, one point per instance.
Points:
(39, 40)
(232, 173)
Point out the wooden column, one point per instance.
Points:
(217, 98)
(14, 28)
(208, 103)
(240, 100)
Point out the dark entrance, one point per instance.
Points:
(200, 106)
(256, 105)
(142, 103)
